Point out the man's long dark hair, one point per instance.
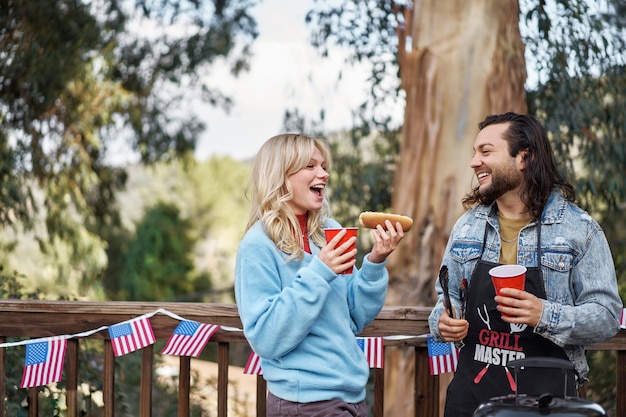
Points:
(541, 175)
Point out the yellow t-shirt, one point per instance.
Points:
(509, 234)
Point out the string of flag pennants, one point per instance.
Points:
(372, 347)
(45, 356)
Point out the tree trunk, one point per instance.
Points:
(459, 61)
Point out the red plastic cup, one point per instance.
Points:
(508, 276)
(351, 231)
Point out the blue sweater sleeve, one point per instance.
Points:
(368, 290)
(275, 297)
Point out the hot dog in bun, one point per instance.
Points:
(371, 219)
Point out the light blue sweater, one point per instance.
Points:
(301, 319)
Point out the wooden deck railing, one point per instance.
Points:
(37, 319)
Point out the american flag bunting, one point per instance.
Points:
(44, 362)
(189, 338)
(373, 348)
(442, 357)
(131, 335)
(253, 366)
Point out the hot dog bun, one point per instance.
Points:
(371, 219)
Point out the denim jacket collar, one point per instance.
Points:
(553, 211)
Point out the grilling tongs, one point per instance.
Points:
(443, 281)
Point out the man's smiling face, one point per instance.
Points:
(496, 170)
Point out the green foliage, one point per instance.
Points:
(211, 204)
(362, 174)
(10, 287)
(581, 92)
(79, 78)
(588, 134)
(614, 225)
(56, 269)
(368, 31)
(602, 378)
(158, 264)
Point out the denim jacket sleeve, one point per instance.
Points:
(583, 304)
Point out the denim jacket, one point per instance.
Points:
(583, 305)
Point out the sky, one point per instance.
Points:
(285, 73)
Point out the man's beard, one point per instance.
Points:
(502, 182)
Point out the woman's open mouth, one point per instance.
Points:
(317, 189)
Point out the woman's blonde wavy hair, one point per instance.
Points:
(278, 158)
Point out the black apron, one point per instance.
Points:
(491, 343)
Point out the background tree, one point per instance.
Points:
(158, 263)
(78, 81)
(210, 198)
(79, 78)
(456, 62)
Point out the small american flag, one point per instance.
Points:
(253, 366)
(622, 319)
(189, 338)
(373, 348)
(131, 335)
(442, 357)
(44, 362)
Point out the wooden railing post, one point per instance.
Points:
(147, 364)
(426, 386)
(71, 376)
(108, 380)
(3, 376)
(261, 396)
(620, 389)
(379, 392)
(222, 379)
(33, 402)
(184, 385)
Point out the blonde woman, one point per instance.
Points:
(300, 313)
